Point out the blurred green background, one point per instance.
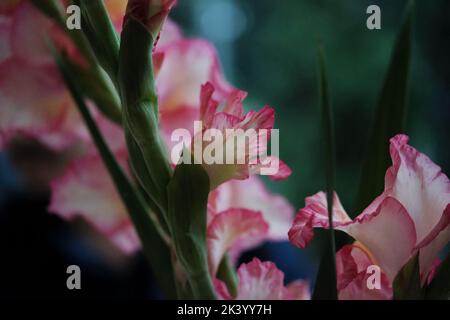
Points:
(269, 48)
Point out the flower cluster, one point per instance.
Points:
(35, 104)
(411, 216)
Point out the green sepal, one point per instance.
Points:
(101, 34)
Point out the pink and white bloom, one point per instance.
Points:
(188, 63)
(35, 102)
(33, 97)
(263, 281)
(252, 194)
(198, 63)
(87, 190)
(239, 139)
(232, 230)
(352, 265)
(411, 215)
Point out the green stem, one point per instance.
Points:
(227, 274)
(202, 287)
(326, 283)
(102, 36)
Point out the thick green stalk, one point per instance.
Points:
(227, 274)
(140, 112)
(188, 197)
(153, 240)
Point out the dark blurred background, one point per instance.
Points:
(269, 49)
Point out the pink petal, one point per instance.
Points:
(87, 190)
(223, 121)
(234, 227)
(388, 233)
(262, 119)
(275, 168)
(208, 106)
(418, 184)
(351, 265)
(187, 65)
(260, 281)
(28, 35)
(222, 290)
(170, 32)
(284, 172)
(315, 215)
(263, 281)
(421, 187)
(252, 194)
(111, 131)
(34, 102)
(182, 118)
(389, 224)
(297, 290)
(246, 161)
(433, 244)
(234, 103)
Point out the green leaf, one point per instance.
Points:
(326, 282)
(153, 239)
(390, 116)
(406, 284)
(140, 112)
(188, 197)
(439, 288)
(102, 36)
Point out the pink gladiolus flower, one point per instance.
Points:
(235, 228)
(86, 189)
(33, 97)
(263, 281)
(229, 114)
(188, 63)
(412, 214)
(252, 194)
(352, 263)
(241, 216)
(198, 63)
